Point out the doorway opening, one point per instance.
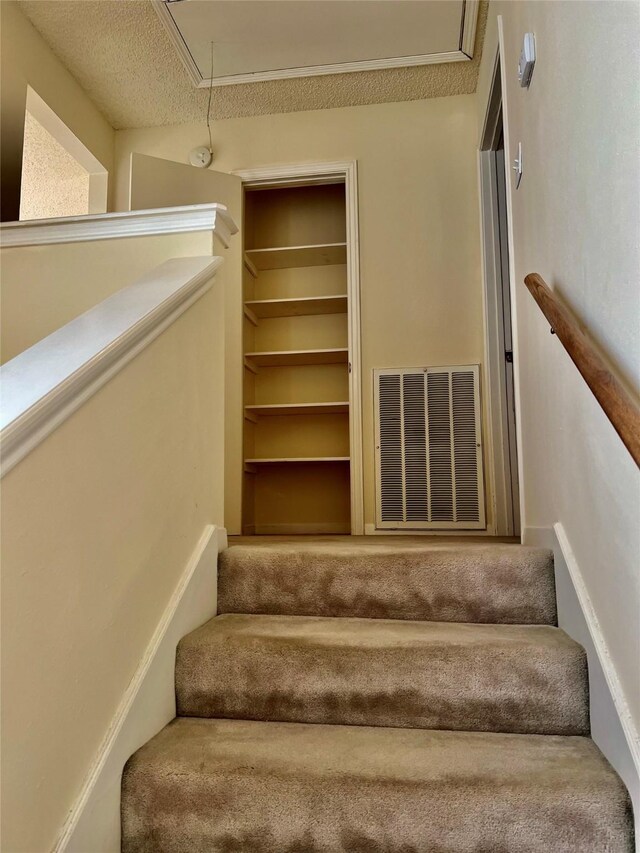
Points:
(302, 432)
(498, 313)
(60, 176)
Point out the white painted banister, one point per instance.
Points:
(109, 226)
(46, 383)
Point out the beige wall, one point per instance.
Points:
(419, 235)
(78, 276)
(98, 525)
(26, 60)
(53, 182)
(163, 183)
(576, 221)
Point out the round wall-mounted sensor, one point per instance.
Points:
(200, 157)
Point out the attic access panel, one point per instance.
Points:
(275, 39)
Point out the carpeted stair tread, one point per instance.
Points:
(440, 583)
(501, 678)
(223, 786)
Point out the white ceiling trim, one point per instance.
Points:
(463, 54)
(469, 26)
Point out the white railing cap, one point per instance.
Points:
(109, 226)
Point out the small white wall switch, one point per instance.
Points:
(517, 165)
(527, 60)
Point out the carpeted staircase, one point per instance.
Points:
(377, 699)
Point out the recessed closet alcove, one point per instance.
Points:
(296, 360)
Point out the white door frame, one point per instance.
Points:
(317, 173)
(501, 420)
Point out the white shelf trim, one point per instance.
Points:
(296, 358)
(46, 383)
(108, 226)
(297, 459)
(279, 257)
(308, 305)
(281, 409)
(338, 245)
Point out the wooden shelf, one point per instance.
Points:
(296, 357)
(284, 257)
(251, 317)
(297, 460)
(266, 308)
(279, 409)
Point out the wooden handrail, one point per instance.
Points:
(617, 403)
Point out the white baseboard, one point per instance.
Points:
(612, 725)
(328, 529)
(148, 705)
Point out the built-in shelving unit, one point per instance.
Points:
(296, 355)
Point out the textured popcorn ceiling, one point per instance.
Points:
(121, 55)
(53, 182)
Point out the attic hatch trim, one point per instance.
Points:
(468, 24)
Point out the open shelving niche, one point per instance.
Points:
(325, 473)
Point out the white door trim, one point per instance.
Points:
(515, 338)
(320, 173)
(498, 453)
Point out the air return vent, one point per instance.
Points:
(428, 450)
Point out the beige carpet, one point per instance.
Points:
(352, 698)
(366, 672)
(436, 582)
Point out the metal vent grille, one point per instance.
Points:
(390, 440)
(428, 448)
